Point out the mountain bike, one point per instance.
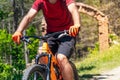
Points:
(50, 69)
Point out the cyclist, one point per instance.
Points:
(59, 15)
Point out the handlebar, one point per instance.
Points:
(60, 33)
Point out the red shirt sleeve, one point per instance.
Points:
(69, 2)
(37, 5)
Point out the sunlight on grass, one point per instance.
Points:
(97, 62)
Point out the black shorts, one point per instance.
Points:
(64, 45)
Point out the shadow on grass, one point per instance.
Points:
(94, 77)
(87, 76)
(91, 76)
(86, 68)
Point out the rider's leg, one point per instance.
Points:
(63, 48)
(65, 66)
(64, 52)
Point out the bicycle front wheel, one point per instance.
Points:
(34, 72)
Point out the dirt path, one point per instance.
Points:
(111, 75)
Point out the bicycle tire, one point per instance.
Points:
(29, 72)
(76, 76)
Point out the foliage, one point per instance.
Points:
(113, 37)
(5, 9)
(7, 49)
(5, 41)
(5, 71)
(11, 53)
(95, 49)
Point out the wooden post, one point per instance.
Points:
(102, 23)
(103, 33)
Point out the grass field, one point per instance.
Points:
(98, 62)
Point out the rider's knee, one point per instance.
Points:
(62, 59)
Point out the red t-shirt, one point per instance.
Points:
(57, 15)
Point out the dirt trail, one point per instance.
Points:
(110, 75)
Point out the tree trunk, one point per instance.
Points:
(15, 16)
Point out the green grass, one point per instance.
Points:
(98, 62)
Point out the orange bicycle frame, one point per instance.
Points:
(46, 49)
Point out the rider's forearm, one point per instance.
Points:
(26, 20)
(75, 14)
(76, 18)
(24, 23)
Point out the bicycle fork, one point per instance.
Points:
(46, 67)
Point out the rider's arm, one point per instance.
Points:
(26, 20)
(74, 30)
(75, 15)
(24, 23)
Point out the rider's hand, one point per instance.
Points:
(73, 30)
(16, 37)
